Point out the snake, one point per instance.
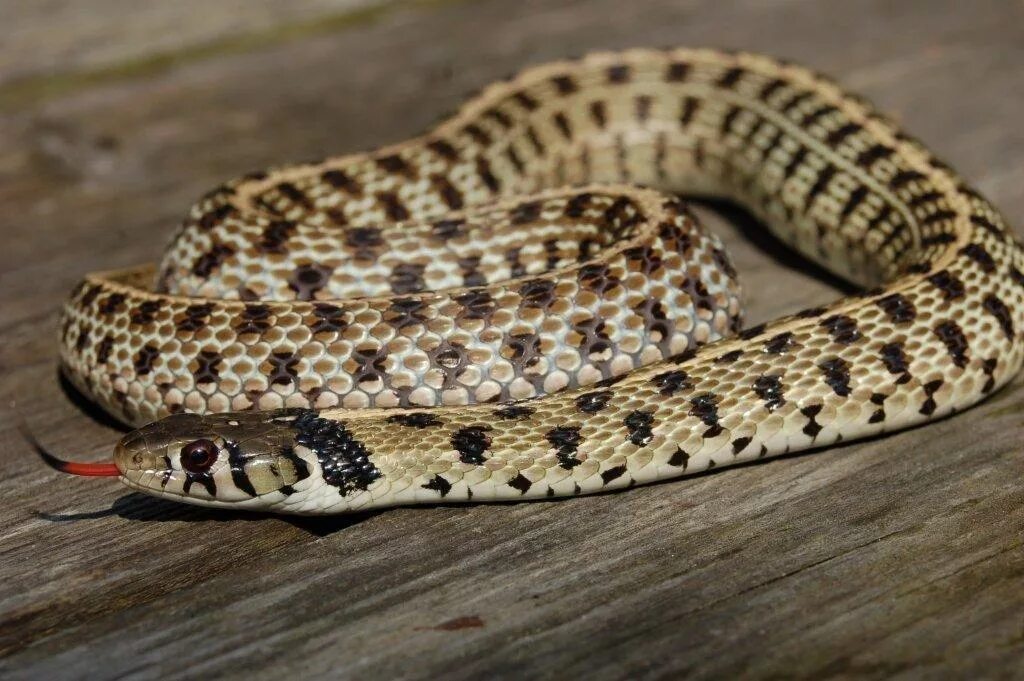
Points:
(519, 304)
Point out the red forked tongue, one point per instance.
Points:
(74, 468)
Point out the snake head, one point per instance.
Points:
(244, 460)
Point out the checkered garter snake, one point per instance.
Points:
(508, 307)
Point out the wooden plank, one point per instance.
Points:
(897, 556)
(60, 36)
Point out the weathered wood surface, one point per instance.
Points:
(901, 556)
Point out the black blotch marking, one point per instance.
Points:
(565, 85)
(677, 72)
(905, 177)
(869, 156)
(843, 329)
(780, 343)
(593, 402)
(770, 389)
(619, 73)
(998, 309)
(811, 413)
(978, 254)
(340, 180)
(821, 183)
(705, 407)
(951, 287)
(613, 473)
(752, 332)
(739, 444)
(679, 458)
(952, 336)
(837, 375)
(729, 357)
(562, 123)
(145, 313)
(144, 359)
(471, 442)
(216, 216)
(989, 367)
(438, 484)
(730, 78)
(275, 235)
(898, 308)
(929, 405)
(344, 460)
(419, 419)
(895, 361)
(521, 483)
(770, 88)
(211, 260)
(689, 110)
(293, 194)
(639, 424)
(671, 382)
(443, 149)
(839, 135)
(236, 463)
(514, 412)
(566, 440)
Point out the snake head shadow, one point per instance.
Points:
(217, 460)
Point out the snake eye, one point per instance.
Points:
(198, 456)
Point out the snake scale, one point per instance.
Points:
(508, 308)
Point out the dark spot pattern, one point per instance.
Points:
(779, 344)
(671, 382)
(284, 368)
(812, 428)
(952, 336)
(998, 309)
(328, 318)
(566, 441)
(416, 420)
(950, 286)
(978, 254)
(898, 308)
(211, 260)
(514, 412)
(144, 359)
(770, 389)
(195, 317)
(837, 375)
(895, 360)
(929, 405)
(344, 460)
(613, 473)
(438, 484)
(842, 328)
(471, 442)
(309, 278)
(207, 367)
(639, 425)
(521, 483)
(593, 402)
(705, 407)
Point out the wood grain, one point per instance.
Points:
(901, 556)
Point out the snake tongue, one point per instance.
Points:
(105, 469)
(87, 469)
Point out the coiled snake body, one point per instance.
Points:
(439, 321)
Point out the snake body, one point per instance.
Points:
(507, 308)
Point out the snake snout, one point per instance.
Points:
(132, 458)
